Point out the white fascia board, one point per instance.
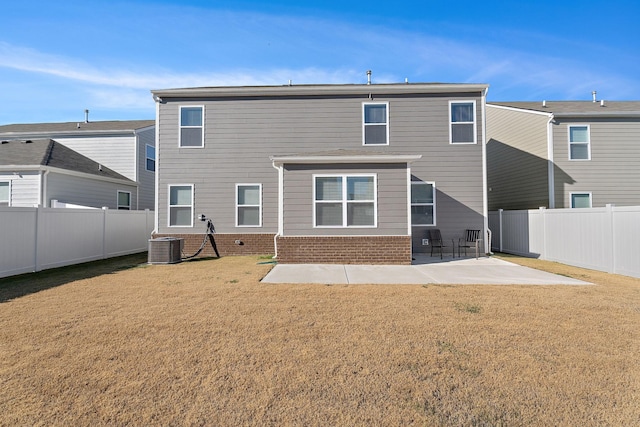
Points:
(39, 168)
(280, 160)
(520, 110)
(320, 90)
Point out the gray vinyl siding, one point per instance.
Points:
(613, 173)
(25, 188)
(391, 198)
(115, 152)
(86, 192)
(146, 179)
(241, 134)
(517, 159)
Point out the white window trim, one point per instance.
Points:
(118, 205)
(9, 193)
(180, 127)
(424, 204)
(182, 206)
(475, 122)
(588, 143)
(259, 205)
(345, 201)
(364, 125)
(146, 157)
(571, 194)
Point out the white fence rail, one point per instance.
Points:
(605, 239)
(35, 239)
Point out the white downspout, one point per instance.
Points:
(156, 220)
(280, 170)
(135, 169)
(485, 197)
(43, 189)
(550, 164)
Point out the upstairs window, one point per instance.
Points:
(248, 205)
(124, 200)
(462, 121)
(345, 201)
(375, 123)
(5, 193)
(579, 143)
(150, 154)
(423, 203)
(192, 126)
(181, 205)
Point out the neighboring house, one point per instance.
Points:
(563, 154)
(127, 147)
(35, 172)
(322, 173)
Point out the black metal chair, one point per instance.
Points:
(471, 239)
(436, 241)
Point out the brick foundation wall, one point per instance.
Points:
(345, 250)
(251, 244)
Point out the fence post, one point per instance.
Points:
(543, 211)
(36, 249)
(610, 242)
(105, 210)
(500, 229)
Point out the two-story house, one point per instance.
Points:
(566, 154)
(322, 173)
(126, 147)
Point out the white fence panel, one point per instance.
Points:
(35, 239)
(69, 236)
(17, 240)
(603, 239)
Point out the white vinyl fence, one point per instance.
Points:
(35, 239)
(605, 239)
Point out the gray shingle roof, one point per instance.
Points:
(47, 152)
(73, 127)
(578, 108)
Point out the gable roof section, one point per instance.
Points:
(47, 152)
(77, 127)
(578, 108)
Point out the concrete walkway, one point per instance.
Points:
(425, 270)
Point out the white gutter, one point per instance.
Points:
(373, 158)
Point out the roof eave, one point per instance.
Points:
(281, 160)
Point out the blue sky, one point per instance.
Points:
(59, 57)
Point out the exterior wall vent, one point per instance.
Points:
(165, 250)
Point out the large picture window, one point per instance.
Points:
(423, 203)
(5, 193)
(462, 122)
(375, 123)
(345, 201)
(192, 126)
(181, 205)
(579, 143)
(580, 200)
(248, 205)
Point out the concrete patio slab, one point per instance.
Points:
(426, 270)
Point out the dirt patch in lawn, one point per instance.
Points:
(205, 343)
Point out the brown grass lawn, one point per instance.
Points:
(120, 342)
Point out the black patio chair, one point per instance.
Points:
(471, 239)
(436, 241)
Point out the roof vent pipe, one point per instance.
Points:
(602, 102)
(368, 77)
(544, 103)
(594, 95)
(86, 116)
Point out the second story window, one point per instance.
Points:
(375, 123)
(150, 153)
(192, 126)
(462, 122)
(579, 143)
